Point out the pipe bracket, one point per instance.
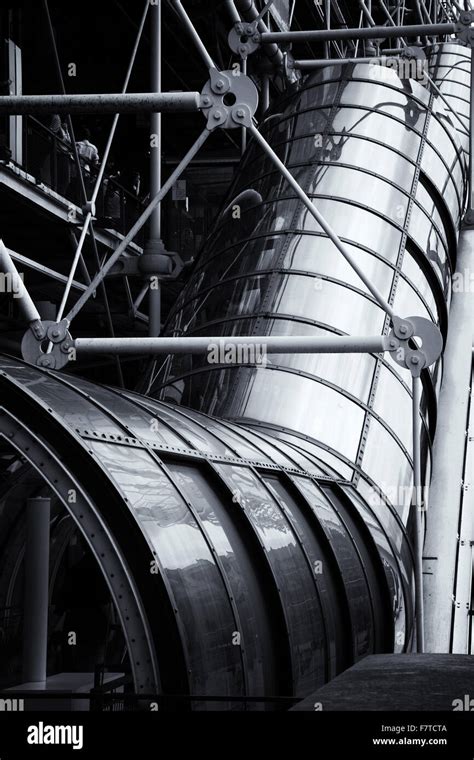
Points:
(422, 333)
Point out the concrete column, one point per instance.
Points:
(35, 626)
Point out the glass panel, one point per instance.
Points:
(318, 254)
(392, 527)
(189, 566)
(429, 207)
(183, 423)
(438, 137)
(393, 404)
(358, 597)
(236, 441)
(354, 224)
(300, 460)
(332, 304)
(331, 412)
(369, 123)
(416, 276)
(368, 190)
(293, 576)
(391, 568)
(408, 302)
(324, 643)
(137, 423)
(76, 411)
(241, 575)
(337, 468)
(392, 472)
(435, 169)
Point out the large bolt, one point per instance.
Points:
(403, 329)
(217, 115)
(240, 113)
(206, 101)
(219, 84)
(45, 361)
(415, 360)
(249, 30)
(56, 333)
(39, 331)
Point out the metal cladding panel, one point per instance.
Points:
(259, 581)
(450, 69)
(384, 165)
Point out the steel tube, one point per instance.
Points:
(248, 9)
(232, 11)
(418, 506)
(155, 121)
(113, 129)
(31, 264)
(100, 276)
(372, 33)
(144, 102)
(80, 176)
(193, 34)
(442, 534)
(17, 286)
(447, 103)
(471, 133)
(292, 344)
(35, 625)
(308, 65)
(100, 176)
(321, 221)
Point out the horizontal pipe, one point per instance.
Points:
(143, 102)
(250, 12)
(371, 33)
(308, 65)
(293, 344)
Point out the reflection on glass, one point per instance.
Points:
(190, 569)
(293, 575)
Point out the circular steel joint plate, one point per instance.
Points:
(431, 348)
(464, 28)
(223, 94)
(34, 351)
(244, 39)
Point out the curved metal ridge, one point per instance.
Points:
(248, 546)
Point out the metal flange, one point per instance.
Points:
(464, 28)
(244, 39)
(229, 99)
(36, 341)
(419, 330)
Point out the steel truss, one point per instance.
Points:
(230, 102)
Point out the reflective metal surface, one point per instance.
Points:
(258, 515)
(384, 165)
(267, 579)
(450, 69)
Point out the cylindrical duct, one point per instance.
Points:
(383, 163)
